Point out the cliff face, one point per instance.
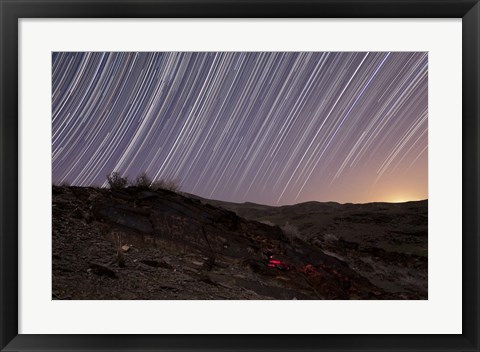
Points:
(141, 244)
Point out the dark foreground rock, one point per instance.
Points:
(138, 244)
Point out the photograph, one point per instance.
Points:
(239, 175)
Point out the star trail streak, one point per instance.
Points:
(267, 127)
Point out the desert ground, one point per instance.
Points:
(137, 243)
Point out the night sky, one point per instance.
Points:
(266, 127)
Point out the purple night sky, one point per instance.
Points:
(266, 127)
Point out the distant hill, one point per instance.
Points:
(380, 240)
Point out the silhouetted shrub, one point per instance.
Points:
(142, 181)
(170, 185)
(115, 181)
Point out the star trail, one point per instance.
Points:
(266, 127)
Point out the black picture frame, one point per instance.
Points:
(13, 10)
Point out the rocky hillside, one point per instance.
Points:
(137, 243)
(387, 243)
